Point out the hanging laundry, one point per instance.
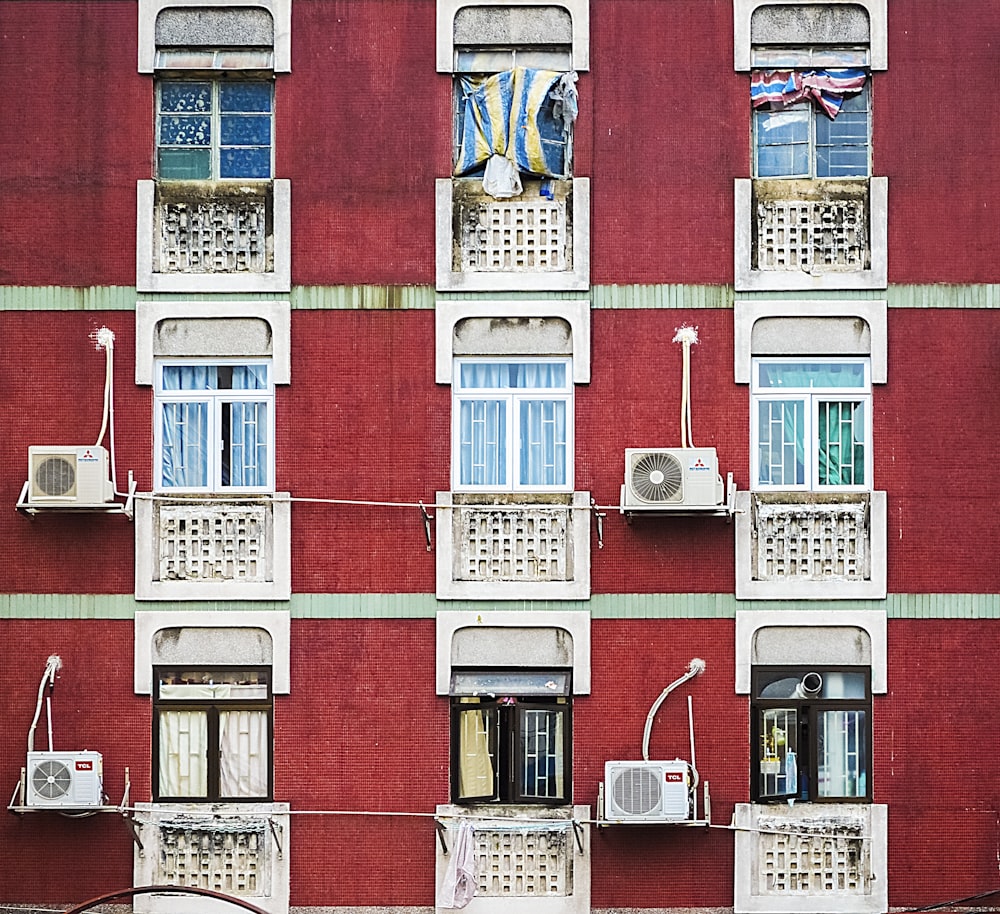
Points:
(459, 883)
(826, 89)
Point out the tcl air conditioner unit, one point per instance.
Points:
(672, 477)
(68, 475)
(647, 791)
(65, 780)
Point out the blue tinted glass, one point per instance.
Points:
(245, 130)
(841, 161)
(185, 96)
(782, 142)
(255, 97)
(513, 375)
(184, 164)
(811, 375)
(245, 162)
(185, 130)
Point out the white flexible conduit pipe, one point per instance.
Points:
(686, 336)
(52, 665)
(106, 341)
(695, 668)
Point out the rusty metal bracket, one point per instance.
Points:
(427, 524)
(441, 829)
(599, 519)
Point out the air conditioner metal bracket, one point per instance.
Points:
(111, 507)
(726, 509)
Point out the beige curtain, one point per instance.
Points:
(183, 753)
(243, 754)
(475, 765)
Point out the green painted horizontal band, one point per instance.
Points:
(391, 298)
(424, 606)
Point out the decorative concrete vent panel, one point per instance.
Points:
(529, 233)
(213, 548)
(531, 547)
(213, 229)
(806, 859)
(513, 544)
(812, 541)
(811, 226)
(239, 853)
(214, 542)
(529, 861)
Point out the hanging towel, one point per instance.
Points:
(459, 883)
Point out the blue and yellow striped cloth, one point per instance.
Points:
(506, 114)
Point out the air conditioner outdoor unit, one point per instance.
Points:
(647, 791)
(672, 477)
(65, 780)
(68, 475)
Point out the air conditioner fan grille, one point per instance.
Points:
(657, 477)
(636, 791)
(51, 779)
(55, 476)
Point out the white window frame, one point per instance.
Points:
(214, 400)
(512, 398)
(215, 146)
(814, 114)
(811, 398)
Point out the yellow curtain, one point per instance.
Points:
(475, 765)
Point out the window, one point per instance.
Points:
(512, 425)
(812, 731)
(214, 129)
(812, 123)
(212, 733)
(811, 424)
(214, 426)
(511, 737)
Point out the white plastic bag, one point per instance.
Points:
(501, 178)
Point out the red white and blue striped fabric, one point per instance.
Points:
(825, 88)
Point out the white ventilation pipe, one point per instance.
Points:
(686, 336)
(695, 668)
(52, 666)
(809, 686)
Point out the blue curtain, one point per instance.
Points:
(247, 445)
(483, 442)
(543, 443)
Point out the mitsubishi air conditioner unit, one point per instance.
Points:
(647, 792)
(61, 476)
(672, 478)
(65, 780)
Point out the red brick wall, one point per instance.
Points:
(363, 733)
(364, 420)
(363, 127)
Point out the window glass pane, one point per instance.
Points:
(808, 375)
(190, 377)
(543, 443)
(483, 442)
(842, 754)
(782, 142)
(183, 762)
(842, 143)
(507, 683)
(244, 444)
(477, 764)
(250, 162)
(213, 684)
(185, 130)
(184, 96)
(245, 130)
(513, 375)
(245, 96)
(778, 752)
(841, 443)
(244, 753)
(781, 430)
(542, 747)
(185, 164)
(184, 445)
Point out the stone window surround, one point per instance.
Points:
(447, 314)
(747, 313)
(449, 280)
(277, 314)
(277, 623)
(577, 624)
(750, 280)
(280, 280)
(872, 621)
(280, 10)
(877, 23)
(579, 11)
